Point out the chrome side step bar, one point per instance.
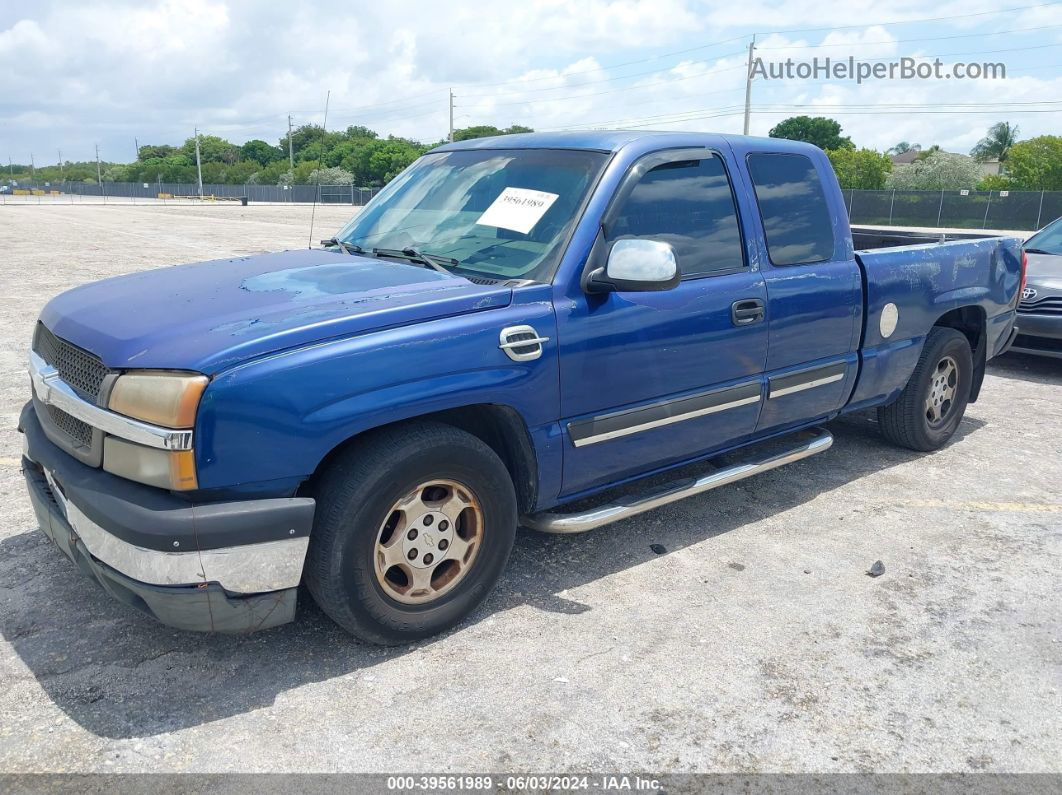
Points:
(672, 492)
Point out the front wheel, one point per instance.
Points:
(928, 411)
(414, 526)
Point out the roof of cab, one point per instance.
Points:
(596, 140)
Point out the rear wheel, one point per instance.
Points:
(414, 526)
(928, 411)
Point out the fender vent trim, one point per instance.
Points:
(521, 343)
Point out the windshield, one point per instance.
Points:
(504, 214)
(1048, 239)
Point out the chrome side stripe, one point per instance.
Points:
(791, 383)
(806, 385)
(657, 415)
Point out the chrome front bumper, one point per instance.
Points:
(150, 540)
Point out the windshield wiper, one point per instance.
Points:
(344, 246)
(1039, 251)
(413, 255)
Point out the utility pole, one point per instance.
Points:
(198, 163)
(99, 175)
(328, 97)
(451, 136)
(60, 151)
(291, 151)
(136, 146)
(33, 170)
(748, 84)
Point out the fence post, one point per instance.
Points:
(984, 224)
(940, 209)
(1040, 211)
(892, 202)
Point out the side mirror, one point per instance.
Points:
(636, 266)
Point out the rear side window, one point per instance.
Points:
(688, 204)
(792, 203)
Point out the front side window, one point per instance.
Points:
(796, 218)
(688, 204)
(503, 214)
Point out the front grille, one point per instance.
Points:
(80, 432)
(78, 368)
(1045, 306)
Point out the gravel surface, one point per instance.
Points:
(737, 631)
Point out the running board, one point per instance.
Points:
(672, 492)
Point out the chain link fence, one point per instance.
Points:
(966, 209)
(154, 192)
(957, 209)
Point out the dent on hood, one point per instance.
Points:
(318, 281)
(310, 284)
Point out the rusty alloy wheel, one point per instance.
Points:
(428, 542)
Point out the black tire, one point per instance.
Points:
(907, 421)
(355, 496)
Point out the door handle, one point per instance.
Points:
(747, 311)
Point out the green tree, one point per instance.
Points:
(212, 149)
(487, 130)
(938, 171)
(354, 132)
(260, 152)
(331, 176)
(864, 169)
(1036, 164)
(996, 182)
(823, 132)
(149, 151)
(997, 144)
(902, 148)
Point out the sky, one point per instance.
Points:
(111, 72)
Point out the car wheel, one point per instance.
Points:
(414, 526)
(929, 409)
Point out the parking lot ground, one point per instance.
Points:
(752, 641)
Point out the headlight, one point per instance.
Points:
(162, 398)
(159, 397)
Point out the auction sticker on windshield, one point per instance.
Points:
(518, 209)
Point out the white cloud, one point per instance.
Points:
(108, 71)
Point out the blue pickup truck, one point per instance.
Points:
(512, 325)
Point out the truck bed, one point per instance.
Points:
(911, 281)
(868, 238)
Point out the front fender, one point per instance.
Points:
(275, 419)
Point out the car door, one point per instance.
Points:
(814, 291)
(654, 378)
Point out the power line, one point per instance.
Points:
(858, 109)
(714, 71)
(768, 33)
(606, 80)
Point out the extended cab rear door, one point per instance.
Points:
(814, 289)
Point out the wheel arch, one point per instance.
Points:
(972, 322)
(500, 427)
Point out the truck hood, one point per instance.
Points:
(210, 315)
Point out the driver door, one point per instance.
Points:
(654, 378)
